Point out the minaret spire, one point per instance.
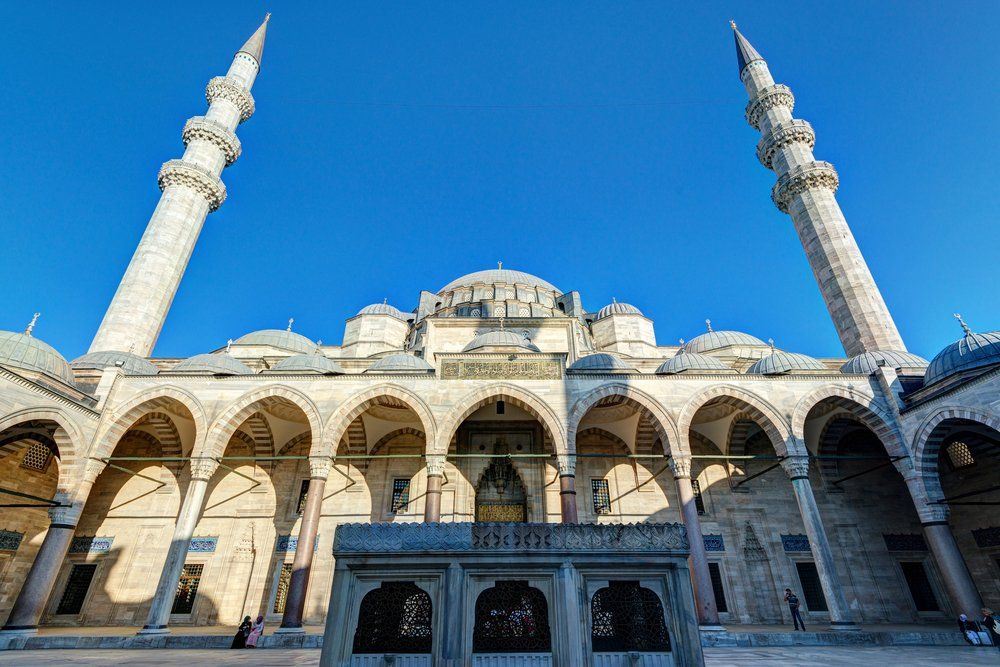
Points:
(192, 188)
(805, 190)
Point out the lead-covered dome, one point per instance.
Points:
(212, 364)
(779, 362)
(312, 363)
(866, 363)
(383, 309)
(504, 276)
(26, 352)
(617, 308)
(717, 340)
(601, 361)
(280, 338)
(400, 363)
(683, 362)
(973, 350)
(131, 364)
(504, 338)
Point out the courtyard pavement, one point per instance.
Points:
(911, 656)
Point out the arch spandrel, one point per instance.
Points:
(759, 410)
(663, 422)
(337, 425)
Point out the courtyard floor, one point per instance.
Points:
(912, 656)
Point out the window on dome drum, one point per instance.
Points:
(602, 496)
(400, 495)
(303, 496)
(76, 588)
(812, 590)
(627, 617)
(715, 572)
(920, 586)
(37, 457)
(187, 589)
(699, 502)
(959, 455)
(281, 594)
(511, 617)
(394, 618)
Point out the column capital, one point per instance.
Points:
(92, 468)
(202, 181)
(566, 464)
(319, 466)
(435, 465)
(203, 468)
(65, 516)
(681, 465)
(808, 176)
(201, 128)
(933, 513)
(224, 88)
(796, 467)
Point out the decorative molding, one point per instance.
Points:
(777, 95)
(809, 176)
(204, 129)
(202, 545)
(91, 545)
(202, 181)
(795, 543)
(905, 542)
(987, 537)
(781, 135)
(713, 542)
(224, 88)
(501, 369)
(10, 540)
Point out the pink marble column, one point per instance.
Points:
(435, 480)
(567, 488)
(704, 594)
(298, 586)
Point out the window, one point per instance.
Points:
(920, 586)
(602, 496)
(720, 593)
(812, 591)
(281, 595)
(400, 495)
(959, 455)
(187, 588)
(511, 617)
(76, 588)
(394, 618)
(303, 495)
(37, 457)
(699, 502)
(627, 617)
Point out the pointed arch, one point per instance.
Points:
(928, 439)
(67, 437)
(353, 407)
(864, 407)
(756, 408)
(607, 435)
(159, 400)
(648, 407)
(392, 435)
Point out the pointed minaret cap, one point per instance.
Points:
(745, 53)
(255, 45)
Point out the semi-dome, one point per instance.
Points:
(867, 362)
(779, 362)
(21, 350)
(280, 338)
(505, 276)
(131, 364)
(502, 338)
(973, 350)
(383, 309)
(400, 363)
(602, 361)
(716, 340)
(212, 364)
(690, 361)
(309, 363)
(617, 308)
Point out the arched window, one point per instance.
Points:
(511, 617)
(394, 618)
(627, 617)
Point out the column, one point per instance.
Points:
(295, 602)
(567, 488)
(703, 591)
(30, 602)
(202, 470)
(797, 468)
(453, 628)
(435, 479)
(965, 597)
(572, 624)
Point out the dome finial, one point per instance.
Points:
(501, 322)
(681, 341)
(732, 24)
(957, 316)
(291, 320)
(708, 323)
(31, 324)
(229, 345)
(770, 341)
(499, 266)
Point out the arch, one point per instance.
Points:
(648, 406)
(862, 406)
(260, 431)
(756, 408)
(406, 430)
(511, 617)
(522, 398)
(157, 399)
(164, 430)
(608, 435)
(927, 444)
(352, 408)
(394, 618)
(833, 433)
(627, 617)
(295, 442)
(67, 437)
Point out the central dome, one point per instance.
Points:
(505, 276)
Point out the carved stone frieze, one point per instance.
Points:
(501, 368)
(201, 128)
(224, 88)
(209, 186)
(804, 177)
(784, 134)
(777, 95)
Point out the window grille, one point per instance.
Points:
(400, 495)
(281, 595)
(812, 591)
(511, 617)
(303, 495)
(627, 617)
(959, 455)
(920, 586)
(187, 589)
(602, 496)
(699, 502)
(37, 457)
(76, 588)
(720, 593)
(394, 618)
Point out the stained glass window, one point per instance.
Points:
(602, 496)
(76, 588)
(187, 589)
(511, 617)
(400, 495)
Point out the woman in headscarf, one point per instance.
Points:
(256, 632)
(240, 638)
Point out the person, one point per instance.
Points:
(240, 638)
(256, 632)
(793, 606)
(992, 626)
(969, 630)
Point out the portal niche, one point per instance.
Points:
(500, 494)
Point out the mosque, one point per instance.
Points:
(161, 493)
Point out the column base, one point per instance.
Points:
(154, 630)
(19, 631)
(298, 630)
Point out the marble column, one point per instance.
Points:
(452, 627)
(965, 597)
(37, 587)
(295, 602)
(435, 479)
(572, 624)
(704, 594)
(567, 488)
(202, 470)
(797, 468)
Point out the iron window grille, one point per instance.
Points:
(37, 457)
(80, 577)
(281, 594)
(303, 496)
(394, 618)
(511, 617)
(400, 495)
(627, 617)
(187, 589)
(959, 455)
(602, 496)
(699, 502)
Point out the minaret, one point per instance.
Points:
(805, 190)
(191, 190)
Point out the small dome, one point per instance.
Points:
(617, 308)
(383, 309)
(602, 361)
(283, 339)
(212, 364)
(690, 361)
(779, 362)
(503, 276)
(502, 338)
(866, 362)
(131, 364)
(400, 363)
(973, 350)
(309, 363)
(28, 353)
(716, 340)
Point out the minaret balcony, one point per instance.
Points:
(813, 175)
(204, 129)
(781, 135)
(193, 177)
(225, 88)
(777, 95)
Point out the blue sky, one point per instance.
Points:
(599, 145)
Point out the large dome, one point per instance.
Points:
(600, 362)
(28, 353)
(309, 363)
(131, 364)
(866, 363)
(400, 363)
(973, 350)
(283, 339)
(690, 361)
(716, 340)
(212, 364)
(504, 338)
(779, 362)
(505, 276)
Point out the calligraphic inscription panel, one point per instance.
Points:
(501, 368)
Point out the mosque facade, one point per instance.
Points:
(162, 493)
